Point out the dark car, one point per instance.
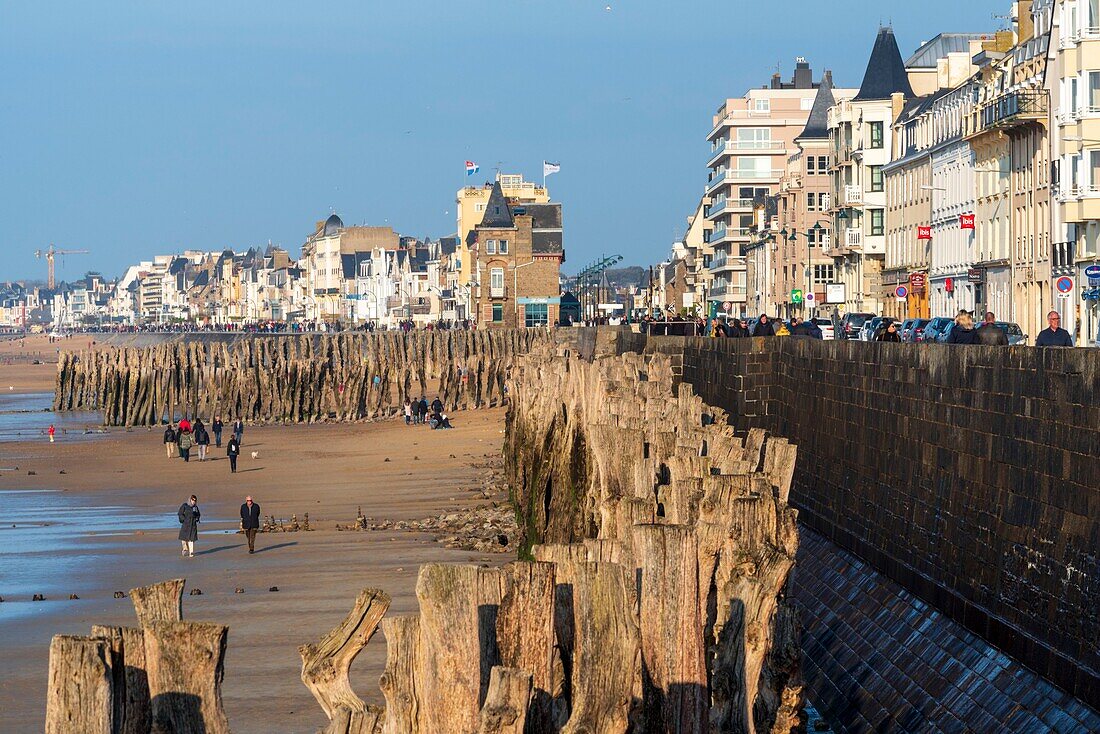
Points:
(852, 323)
(913, 329)
(935, 328)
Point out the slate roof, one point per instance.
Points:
(332, 225)
(885, 71)
(544, 216)
(932, 51)
(448, 245)
(817, 124)
(498, 215)
(546, 243)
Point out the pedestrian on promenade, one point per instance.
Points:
(51, 432)
(233, 450)
(990, 335)
(217, 426)
(1054, 335)
(250, 521)
(170, 439)
(186, 440)
(963, 330)
(202, 439)
(764, 327)
(423, 409)
(408, 412)
(238, 430)
(890, 333)
(737, 329)
(189, 525)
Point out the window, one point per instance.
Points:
(536, 314)
(807, 103)
(498, 313)
(754, 137)
(876, 178)
(877, 225)
(752, 166)
(811, 201)
(479, 207)
(811, 165)
(1094, 91)
(496, 283)
(876, 134)
(503, 247)
(490, 247)
(761, 105)
(822, 164)
(823, 273)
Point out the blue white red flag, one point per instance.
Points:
(472, 168)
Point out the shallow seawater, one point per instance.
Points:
(49, 537)
(27, 416)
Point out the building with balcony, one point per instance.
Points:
(804, 235)
(516, 253)
(1073, 85)
(328, 262)
(750, 142)
(1009, 133)
(860, 134)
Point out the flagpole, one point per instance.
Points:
(544, 175)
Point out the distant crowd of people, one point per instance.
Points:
(181, 437)
(418, 412)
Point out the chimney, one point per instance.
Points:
(777, 81)
(897, 101)
(803, 75)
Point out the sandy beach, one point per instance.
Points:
(111, 503)
(18, 371)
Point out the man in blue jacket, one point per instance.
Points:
(1055, 336)
(250, 521)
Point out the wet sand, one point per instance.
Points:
(17, 356)
(326, 470)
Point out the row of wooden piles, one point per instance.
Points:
(289, 378)
(667, 614)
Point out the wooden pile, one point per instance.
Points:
(290, 378)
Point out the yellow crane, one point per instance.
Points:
(49, 254)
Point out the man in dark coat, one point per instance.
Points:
(250, 521)
(233, 450)
(189, 525)
(764, 327)
(1055, 335)
(202, 440)
(423, 409)
(217, 426)
(437, 405)
(170, 439)
(238, 430)
(990, 335)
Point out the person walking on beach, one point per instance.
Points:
(170, 439)
(233, 450)
(250, 521)
(51, 432)
(185, 441)
(238, 431)
(202, 440)
(217, 426)
(408, 412)
(189, 525)
(423, 409)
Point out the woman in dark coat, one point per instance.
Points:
(189, 525)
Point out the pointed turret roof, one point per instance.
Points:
(498, 215)
(817, 124)
(885, 70)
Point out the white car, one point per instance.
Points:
(826, 326)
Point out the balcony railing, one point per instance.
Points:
(1013, 108)
(853, 195)
(716, 234)
(496, 292)
(853, 238)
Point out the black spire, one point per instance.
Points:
(497, 213)
(817, 124)
(885, 70)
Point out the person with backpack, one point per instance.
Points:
(185, 441)
(202, 439)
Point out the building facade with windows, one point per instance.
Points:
(750, 141)
(516, 254)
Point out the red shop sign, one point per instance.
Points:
(966, 221)
(924, 233)
(949, 285)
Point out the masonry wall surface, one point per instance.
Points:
(968, 475)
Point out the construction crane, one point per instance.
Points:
(49, 254)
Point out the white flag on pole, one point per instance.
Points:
(548, 168)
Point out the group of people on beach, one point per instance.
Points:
(189, 516)
(416, 413)
(181, 437)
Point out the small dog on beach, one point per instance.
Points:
(255, 454)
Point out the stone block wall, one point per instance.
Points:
(969, 475)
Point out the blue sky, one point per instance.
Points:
(136, 128)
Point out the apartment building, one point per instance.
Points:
(516, 253)
(861, 135)
(1073, 83)
(802, 269)
(328, 261)
(751, 139)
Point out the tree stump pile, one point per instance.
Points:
(301, 378)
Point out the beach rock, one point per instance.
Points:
(273, 588)
(73, 596)
(196, 592)
(238, 590)
(386, 459)
(38, 597)
(120, 594)
(32, 473)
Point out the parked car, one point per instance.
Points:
(1013, 331)
(934, 328)
(826, 326)
(913, 329)
(852, 323)
(871, 327)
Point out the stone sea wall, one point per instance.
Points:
(145, 379)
